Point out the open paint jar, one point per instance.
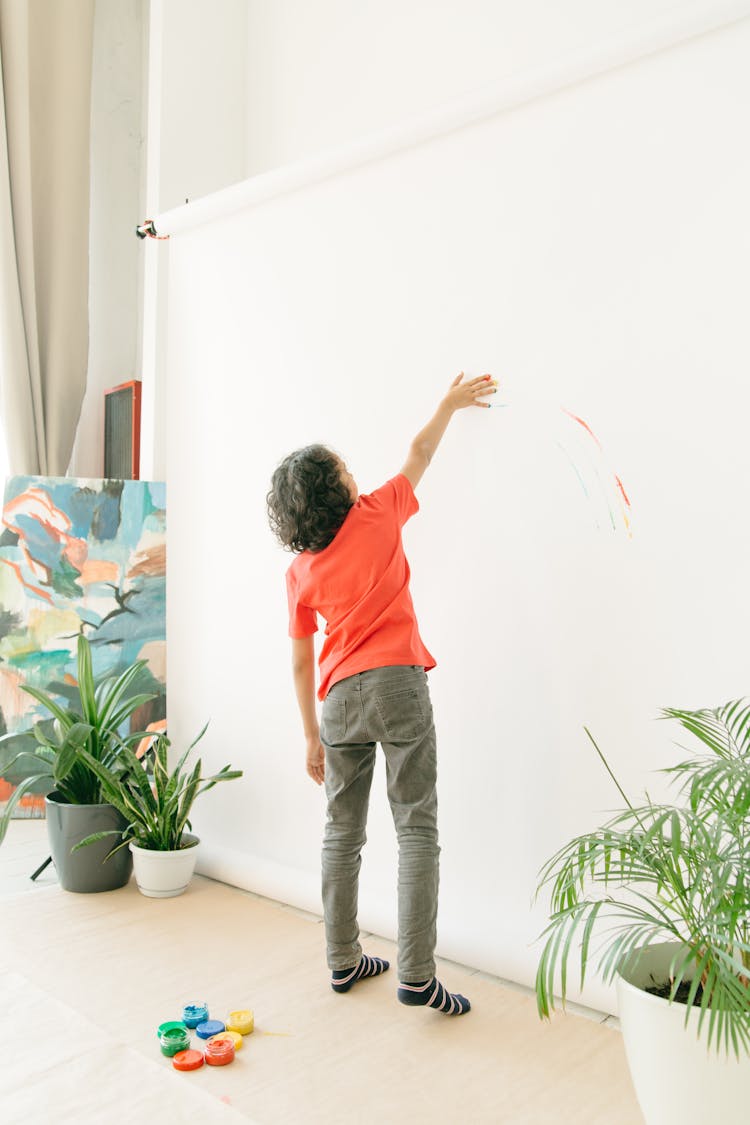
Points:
(241, 1021)
(174, 1039)
(219, 1051)
(193, 1014)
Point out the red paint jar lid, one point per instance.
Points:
(187, 1060)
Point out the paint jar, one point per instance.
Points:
(219, 1052)
(208, 1028)
(233, 1036)
(241, 1020)
(174, 1039)
(193, 1014)
(188, 1060)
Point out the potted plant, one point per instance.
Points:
(88, 730)
(667, 888)
(155, 803)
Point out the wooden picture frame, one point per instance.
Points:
(122, 431)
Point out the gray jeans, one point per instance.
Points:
(390, 706)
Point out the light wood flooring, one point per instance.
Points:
(86, 979)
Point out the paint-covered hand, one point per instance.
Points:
(315, 760)
(470, 393)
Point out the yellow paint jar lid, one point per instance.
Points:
(240, 1021)
(234, 1036)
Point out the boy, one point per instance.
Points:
(351, 569)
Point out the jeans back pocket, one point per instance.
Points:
(333, 721)
(404, 713)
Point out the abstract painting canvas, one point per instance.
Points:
(77, 556)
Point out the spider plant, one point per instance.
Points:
(155, 801)
(667, 872)
(86, 731)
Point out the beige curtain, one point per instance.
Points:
(45, 55)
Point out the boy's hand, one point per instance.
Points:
(459, 395)
(315, 759)
(472, 393)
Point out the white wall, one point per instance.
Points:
(241, 87)
(588, 249)
(116, 161)
(203, 97)
(320, 75)
(196, 124)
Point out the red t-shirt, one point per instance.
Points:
(360, 584)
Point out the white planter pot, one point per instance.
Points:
(164, 874)
(677, 1080)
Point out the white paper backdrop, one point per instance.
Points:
(590, 249)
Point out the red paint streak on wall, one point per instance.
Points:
(622, 490)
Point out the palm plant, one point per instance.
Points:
(155, 801)
(88, 731)
(667, 872)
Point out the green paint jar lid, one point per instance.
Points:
(165, 1026)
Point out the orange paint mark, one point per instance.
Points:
(34, 589)
(75, 551)
(32, 801)
(622, 490)
(158, 727)
(151, 563)
(37, 505)
(585, 425)
(99, 570)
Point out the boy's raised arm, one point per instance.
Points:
(460, 395)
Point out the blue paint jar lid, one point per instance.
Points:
(208, 1028)
(193, 1014)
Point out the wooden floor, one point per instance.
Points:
(86, 979)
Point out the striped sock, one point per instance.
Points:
(343, 979)
(432, 994)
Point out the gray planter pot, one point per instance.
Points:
(87, 870)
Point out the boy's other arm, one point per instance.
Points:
(303, 670)
(460, 395)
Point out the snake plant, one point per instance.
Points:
(155, 800)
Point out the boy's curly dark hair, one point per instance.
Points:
(308, 501)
